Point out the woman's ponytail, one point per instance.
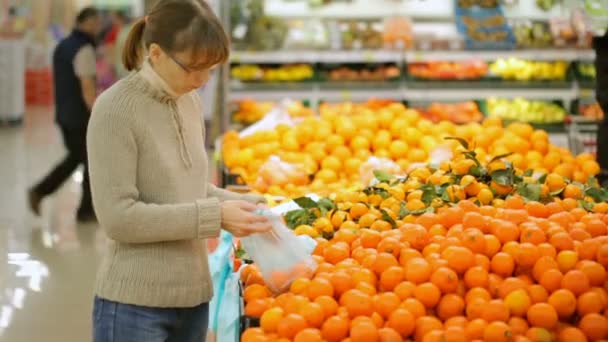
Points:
(132, 52)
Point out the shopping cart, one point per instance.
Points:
(582, 134)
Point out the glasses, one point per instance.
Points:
(180, 64)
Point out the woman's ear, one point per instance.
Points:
(155, 52)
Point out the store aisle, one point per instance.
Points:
(47, 265)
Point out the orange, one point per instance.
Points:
(594, 326)
(428, 294)
(518, 325)
(385, 303)
(450, 305)
(290, 325)
(253, 335)
(398, 149)
(336, 252)
(255, 291)
(589, 302)
(445, 279)
(328, 304)
(571, 334)
(357, 303)
(551, 279)
(389, 245)
(518, 302)
(319, 287)
(335, 329)
(270, 319)
(595, 272)
(256, 307)
(539, 334)
(575, 281)
(369, 238)
(308, 335)
(477, 293)
(537, 293)
(402, 321)
(475, 329)
(389, 335)
(459, 258)
(418, 270)
(313, 314)
(414, 306)
(426, 324)
(383, 262)
(502, 264)
(564, 302)
(495, 310)
(498, 332)
(542, 315)
(363, 331)
(476, 277)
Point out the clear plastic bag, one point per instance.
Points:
(279, 254)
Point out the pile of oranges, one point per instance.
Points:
(332, 147)
(526, 271)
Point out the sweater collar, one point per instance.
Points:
(157, 82)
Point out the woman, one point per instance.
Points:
(149, 179)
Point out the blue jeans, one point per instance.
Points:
(117, 322)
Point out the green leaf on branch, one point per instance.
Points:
(542, 178)
(298, 217)
(476, 171)
(383, 176)
(592, 182)
(499, 157)
(428, 193)
(528, 173)
(586, 205)
(530, 191)
(305, 203)
(503, 177)
(462, 142)
(403, 212)
(386, 217)
(327, 204)
(598, 194)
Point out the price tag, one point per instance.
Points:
(418, 56)
(346, 95)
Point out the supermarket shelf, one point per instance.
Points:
(459, 94)
(317, 93)
(271, 95)
(531, 54)
(380, 56)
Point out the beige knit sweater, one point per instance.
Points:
(149, 180)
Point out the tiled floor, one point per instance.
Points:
(47, 264)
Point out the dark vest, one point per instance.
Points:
(70, 108)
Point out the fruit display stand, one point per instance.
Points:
(493, 254)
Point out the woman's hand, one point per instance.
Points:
(240, 219)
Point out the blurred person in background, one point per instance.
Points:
(74, 76)
(151, 184)
(119, 45)
(600, 45)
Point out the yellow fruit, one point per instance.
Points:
(323, 225)
(398, 149)
(306, 230)
(518, 302)
(485, 196)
